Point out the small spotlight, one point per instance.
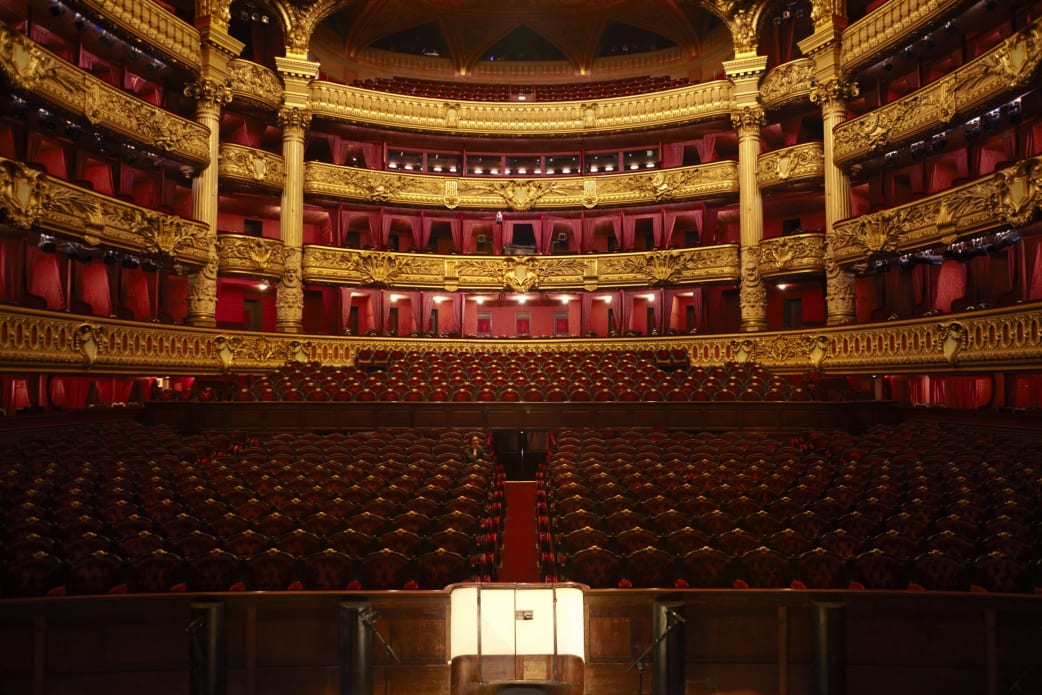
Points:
(57, 9)
(46, 243)
(111, 257)
(149, 266)
(131, 262)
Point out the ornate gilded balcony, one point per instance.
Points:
(33, 69)
(255, 83)
(251, 166)
(240, 254)
(992, 339)
(955, 97)
(646, 187)
(521, 273)
(681, 106)
(29, 199)
(804, 162)
(789, 83)
(149, 23)
(1008, 198)
(892, 25)
(789, 255)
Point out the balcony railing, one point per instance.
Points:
(396, 188)
(797, 163)
(521, 273)
(960, 94)
(30, 199)
(685, 105)
(33, 69)
(251, 166)
(892, 25)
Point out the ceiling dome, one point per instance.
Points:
(466, 33)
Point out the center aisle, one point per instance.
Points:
(520, 552)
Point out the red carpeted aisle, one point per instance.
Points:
(520, 554)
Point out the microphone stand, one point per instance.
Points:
(639, 663)
(370, 622)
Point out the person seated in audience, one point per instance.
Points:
(474, 452)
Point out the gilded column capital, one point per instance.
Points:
(833, 93)
(209, 94)
(749, 119)
(294, 118)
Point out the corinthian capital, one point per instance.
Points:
(834, 92)
(209, 94)
(749, 118)
(294, 117)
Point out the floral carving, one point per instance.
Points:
(251, 253)
(521, 195)
(252, 164)
(165, 235)
(21, 198)
(209, 94)
(752, 294)
(1018, 192)
(790, 163)
(255, 82)
(788, 253)
(521, 274)
(786, 83)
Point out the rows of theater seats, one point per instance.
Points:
(914, 506)
(663, 375)
(510, 92)
(90, 512)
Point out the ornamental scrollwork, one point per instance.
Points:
(834, 92)
(521, 195)
(1015, 61)
(252, 253)
(87, 340)
(166, 235)
(209, 94)
(786, 83)
(752, 294)
(23, 61)
(952, 339)
(374, 187)
(840, 292)
(788, 254)
(774, 168)
(665, 185)
(252, 164)
(749, 118)
(293, 118)
(521, 274)
(379, 269)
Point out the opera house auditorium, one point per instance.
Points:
(572, 347)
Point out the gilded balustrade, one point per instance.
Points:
(891, 26)
(684, 105)
(787, 84)
(1008, 198)
(396, 188)
(790, 255)
(149, 23)
(255, 84)
(988, 340)
(521, 273)
(953, 98)
(30, 199)
(240, 254)
(30, 68)
(251, 166)
(804, 162)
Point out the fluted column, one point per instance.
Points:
(294, 118)
(211, 94)
(747, 119)
(832, 92)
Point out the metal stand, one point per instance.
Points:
(370, 621)
(639, 664)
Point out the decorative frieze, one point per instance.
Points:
(646, 187)
(797, 163)
(521, 273)
(252, 166)
(1010, 197)
(30, 199)
(788, 255)
(955, 97)
(31, 68)
(684, 105)
(56, 342)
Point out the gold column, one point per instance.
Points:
(211, 94)
(832, 92)
(747, 119)
(294, 118)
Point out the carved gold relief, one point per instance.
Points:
(792, 254)
(1007, 198)
(689, 104)
(646, 187)
(251, 255)
(254, 83)
(21, 193)
(55, 341)
(797, 163)
(958, 94)
(252, 165)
